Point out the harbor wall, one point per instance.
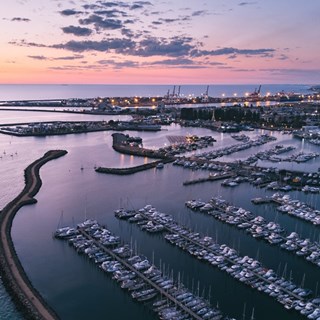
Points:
(9, 261)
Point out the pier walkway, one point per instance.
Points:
(210, 178)
(16, 281)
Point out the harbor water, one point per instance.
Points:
(74, 286)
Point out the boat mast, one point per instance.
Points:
(244, 312)
(252, 314)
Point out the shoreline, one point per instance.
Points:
(27, 299)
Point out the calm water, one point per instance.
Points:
(72, 285)
(25, 92)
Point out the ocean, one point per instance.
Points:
(71, 284)
(47, 91)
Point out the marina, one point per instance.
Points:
(160, 160)
(136, 274)
(259, 228)
(244, 269)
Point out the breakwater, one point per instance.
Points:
(137, 151)
(26, 297)
(131, 170)
(119, 144)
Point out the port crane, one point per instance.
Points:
(255, 93)
(205, 96)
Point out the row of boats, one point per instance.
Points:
(270, 154)
(242, 268)
(240, 137)
(260, 140)
(203, 165)
(192, 143)
(137, 275)
(259, 228)
(310, 189)
(315, 141)
(296, 208)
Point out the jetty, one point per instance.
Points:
(132, 170)
(26, 297)
(209, 178)
(121, 145)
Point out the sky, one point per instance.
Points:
(160, 42)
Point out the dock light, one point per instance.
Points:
(268, 94)
(235, 94)
(135, 100)
(153, 99)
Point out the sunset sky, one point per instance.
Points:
(160, 42)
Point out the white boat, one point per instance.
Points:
(160, 165)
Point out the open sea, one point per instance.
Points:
(62, 91)
(74, 286)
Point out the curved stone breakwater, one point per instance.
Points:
(25, 296)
